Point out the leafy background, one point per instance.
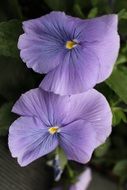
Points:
(15, 79)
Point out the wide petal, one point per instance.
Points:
(50, 108)
(101, 36)
(97, 29)
(78, 140)
(42, 45)
(29, 140)
(92, 107)
(78, 73)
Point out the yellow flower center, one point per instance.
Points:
(70, 44)
(53, 130)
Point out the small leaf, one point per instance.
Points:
(118, 115)
(120, 168)
(9, 33)
(122, 14)
(121, 59)
(102, 150)
(93, 12)
(118, 82)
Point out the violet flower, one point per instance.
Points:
(77, 123)
(82, 183)
(76, 54)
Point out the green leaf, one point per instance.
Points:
(93, 12)
(102, 150)
(122, 14)
(59, 5)
(120, 168)
(9, 34)
(6, 118)
(118, 82)
(118, 115)
(121, 59)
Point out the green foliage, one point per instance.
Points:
(122, 14)
(56, 4)
(9, 34)
(102, 150)
(118, 82)
(93, 12)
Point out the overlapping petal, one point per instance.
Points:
(29, 140)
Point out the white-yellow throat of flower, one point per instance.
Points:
(53, 130)
(71, 44)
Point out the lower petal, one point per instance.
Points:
(78, 73)
(29, 140)
(78, 140)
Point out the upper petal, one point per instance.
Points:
(29, 140)
(43, 44)
(97, 29)
(78, 140)
(78, 73)
(50, 108)
(101, 36)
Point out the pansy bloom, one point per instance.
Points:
(76, 54)
(82, 183)
(77, 123)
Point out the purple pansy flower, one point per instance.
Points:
(82, 183)
(77, 123)
(76, 54)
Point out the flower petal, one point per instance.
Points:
(42, 45)
(101, 36)
(29, 140)
(97, 29)
(77, 73)
(92, 107)
(50, 108)
(78, 140)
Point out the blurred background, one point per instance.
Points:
(109, 162)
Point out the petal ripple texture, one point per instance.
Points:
(77, 123)
(76, 54)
